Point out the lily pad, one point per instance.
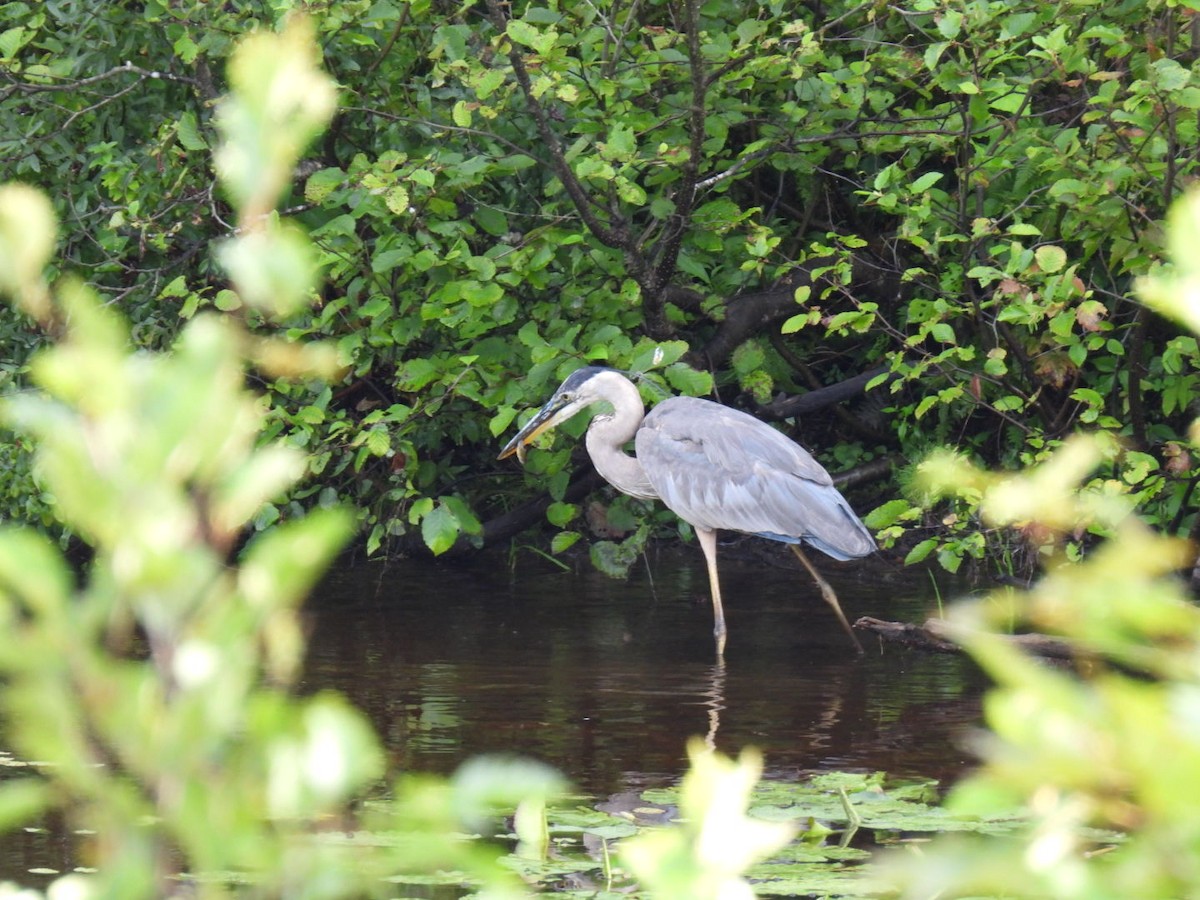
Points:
(842, 820)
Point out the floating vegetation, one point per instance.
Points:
(842, 821)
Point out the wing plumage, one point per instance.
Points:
(719, 468)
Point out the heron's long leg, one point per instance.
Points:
(827, 593)
(708, 543)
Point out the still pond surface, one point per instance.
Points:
(606, 680)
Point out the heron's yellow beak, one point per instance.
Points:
(524, 437)
(557, 409)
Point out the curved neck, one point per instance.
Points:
(609, 432)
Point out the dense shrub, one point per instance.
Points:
(953, 195)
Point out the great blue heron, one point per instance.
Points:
(714, 467)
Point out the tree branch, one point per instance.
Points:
(936, 635)
(747, 314)
(789, 407)
(617, 238)
(668, 249)
(25, 87)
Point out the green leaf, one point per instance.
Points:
(750, 30)
(481, 267)
(424, 177)
(523, 33)
(662, 207)
(33, 570)
(933, 54)
(499, 423)
(1050, 258)
(281, 565)
(379, 442)
(794, 323)
(11, 40)
(949, 23)
(559, 514)
(943, 332)
(491, 220)
(337, 734)
(280, 100)
(1170, 75)
(227, 300)
(620, 144)
(27, 232)
(925, 182)
(397, 200)
(461, 114)
(656, 354)
(888, 514)
(564, 540)
(485, 783)
(631, 192)
(921, 551)
(263, 476)
(188, 132)
(274, 268)
(688, 381)
(1136, 466)
(950, 559)
(177, 287)
(612, 559)
(439, 529)
(488, 83)
(186, 48)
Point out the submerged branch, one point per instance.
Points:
(934, 637)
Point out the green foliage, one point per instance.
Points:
(1092, 747)
(1111, 741)
(154, 694)
(962, 193)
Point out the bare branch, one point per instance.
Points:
(939, 636)
(25, 87)
(803, 404)
(738, 165)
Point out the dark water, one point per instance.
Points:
(606, 680)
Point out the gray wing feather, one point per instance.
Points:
(717, 467)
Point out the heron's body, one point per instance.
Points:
(756, 480)
(713, 466)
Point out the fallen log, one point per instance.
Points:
(936, 636)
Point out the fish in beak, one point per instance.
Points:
(559, 408)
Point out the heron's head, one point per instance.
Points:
(579, 390)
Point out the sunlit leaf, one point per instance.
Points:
(1050, 258)
(33, 570)
(280, 101)
(28, 227)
